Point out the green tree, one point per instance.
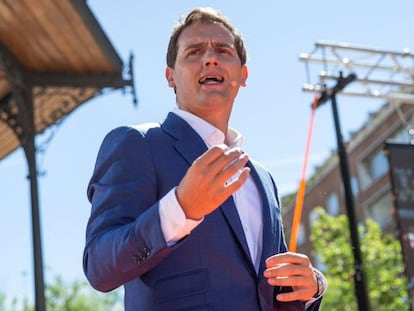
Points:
(14, 304)
(2, 302)
(74, 296)
(78, 296)
(382, 259)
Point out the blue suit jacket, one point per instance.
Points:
(211, 268)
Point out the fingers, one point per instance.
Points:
(204, 186)
(291, 270)
(220, 163)
(288, 257)
(290, 275)
(302, 294)
(237, 182)
(215, 167)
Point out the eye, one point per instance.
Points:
(194, 52)
(225, 51)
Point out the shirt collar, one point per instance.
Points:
(209, 133)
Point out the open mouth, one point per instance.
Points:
(211, 80)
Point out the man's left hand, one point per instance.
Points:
(294, 270)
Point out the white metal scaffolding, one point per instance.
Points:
(379, 73)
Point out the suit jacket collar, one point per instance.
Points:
(185, 136)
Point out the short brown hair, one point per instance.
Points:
(203, 16)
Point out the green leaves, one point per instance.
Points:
(382, 259)
(78, 296)
(74, 296)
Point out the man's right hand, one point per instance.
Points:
(204, 187)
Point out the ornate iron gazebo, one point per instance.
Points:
(54, 56)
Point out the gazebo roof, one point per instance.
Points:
(61, 53)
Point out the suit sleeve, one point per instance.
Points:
(123, 235)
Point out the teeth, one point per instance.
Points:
(212, 78)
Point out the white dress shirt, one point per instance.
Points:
(248, 202)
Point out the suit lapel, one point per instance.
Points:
(188, 143)
(229, 211)
(271, 225)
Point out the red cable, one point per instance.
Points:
(302, 185)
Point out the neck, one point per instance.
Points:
(218, 119)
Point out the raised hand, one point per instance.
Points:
(204, 187)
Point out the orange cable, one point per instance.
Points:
(302, 185)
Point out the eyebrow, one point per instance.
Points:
(215, 44)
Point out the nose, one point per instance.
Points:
(210, 58)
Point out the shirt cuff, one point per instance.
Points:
(174, 224)
(322, 286)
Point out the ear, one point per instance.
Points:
(169, 75)
(245, 74)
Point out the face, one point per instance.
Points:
(207, 72)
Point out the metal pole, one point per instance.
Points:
(29, 148)
(360, 287)
(22, 123)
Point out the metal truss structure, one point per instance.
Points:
(379, 73)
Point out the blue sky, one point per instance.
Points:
(272, 112)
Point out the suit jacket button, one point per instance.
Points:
(142, 255)
(147, 252)
(137, 259)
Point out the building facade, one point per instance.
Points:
(369, 171)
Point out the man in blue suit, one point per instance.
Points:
(181, 216)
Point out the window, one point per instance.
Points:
(332, 204)
(354, 186)
(375, 165)
(381, 211)
(313, 216)
(410, 237)
(372, 168)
